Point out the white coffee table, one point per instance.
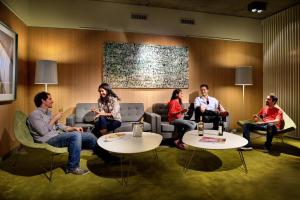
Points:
(126, 144)
(233, 141)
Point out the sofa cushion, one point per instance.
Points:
(82, 109)
(166, 127)
(131, 112)
(127, 126)
(89, 117)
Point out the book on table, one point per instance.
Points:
(212, 139)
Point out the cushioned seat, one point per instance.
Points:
(130, 113)
(127, 126)
(167, 127)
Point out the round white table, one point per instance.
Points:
(232, 141)
(125, 144)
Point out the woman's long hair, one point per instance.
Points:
(109, 91)
(175, 95)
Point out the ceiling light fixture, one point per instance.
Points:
(257, 6)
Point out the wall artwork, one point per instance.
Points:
(8, 63)
(128, 65)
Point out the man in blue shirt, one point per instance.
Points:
(208, 107)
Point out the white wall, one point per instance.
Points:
(116, 17)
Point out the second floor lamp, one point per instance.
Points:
(243, 77)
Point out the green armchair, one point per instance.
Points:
(23, 136)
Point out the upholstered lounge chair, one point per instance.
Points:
(23, 136)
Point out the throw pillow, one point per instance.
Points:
(89, 117)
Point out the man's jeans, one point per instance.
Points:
(270, 128)
(183, 126)
(75, 141)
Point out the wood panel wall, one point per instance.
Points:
(7, 109)
(79, 54)
(281, 37)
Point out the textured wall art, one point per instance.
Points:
(145, 66)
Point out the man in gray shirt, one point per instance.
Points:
(46, 128)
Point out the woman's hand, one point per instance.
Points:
(183, 111)
(95, 110)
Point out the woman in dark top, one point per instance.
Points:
(175, 117)
(108, 116)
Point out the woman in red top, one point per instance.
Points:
(175, 117)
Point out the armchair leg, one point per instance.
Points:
(49, 177)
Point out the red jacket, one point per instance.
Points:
(174, 107)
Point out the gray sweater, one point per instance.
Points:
(38, 124)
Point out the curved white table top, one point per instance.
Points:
(128, 144)
(232, 141)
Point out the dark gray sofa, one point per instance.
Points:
(130, 113)
(165, 128)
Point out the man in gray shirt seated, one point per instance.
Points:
(209, 108)
(46, 128)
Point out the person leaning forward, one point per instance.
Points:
(45, 128)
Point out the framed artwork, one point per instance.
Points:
(129, 65)
(8, 63)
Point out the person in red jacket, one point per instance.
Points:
(269, 118)
(175, 117)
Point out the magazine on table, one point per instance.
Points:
(212, 139)
(112, 137)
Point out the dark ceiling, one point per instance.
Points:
(224, 7)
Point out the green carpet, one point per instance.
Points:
(212, 175)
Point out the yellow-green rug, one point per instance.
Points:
(212, 175)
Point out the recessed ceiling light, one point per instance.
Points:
(257, 6)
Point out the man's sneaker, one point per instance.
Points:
(266, 150)
(246, 148)
(77, 171)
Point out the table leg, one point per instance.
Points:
(243, 161)
(155, 154)
(124, 178)
(188, 161)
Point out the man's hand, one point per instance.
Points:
(255, 117)
(79, 129)
(56, 118)
(70, 129)
(202, 108)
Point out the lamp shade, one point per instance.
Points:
(46, 72)
(243, 75)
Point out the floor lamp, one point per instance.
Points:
(243, 77)
(46, 73)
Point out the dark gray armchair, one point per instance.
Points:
(130, 113)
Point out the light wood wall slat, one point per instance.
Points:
(79, 54)
(281, 62)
